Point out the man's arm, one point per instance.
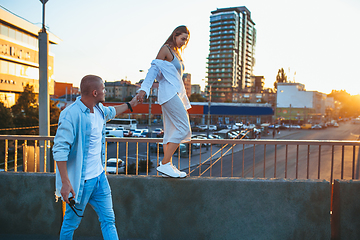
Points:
(66, 188)
(122, 108)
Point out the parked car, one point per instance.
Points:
(111, 166)
(158, 130)
(200, 137)
(138, 132)
(212, 128)
(144, 134)
(202, 127)
(195, 129)
(127, 133)
(153, 147)
(316, 126)
(221, 126)
(306, 126)
(114, 133)
(183, 148)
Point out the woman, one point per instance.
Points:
(168, 69)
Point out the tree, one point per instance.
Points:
(280, 78)
(6, 119)
(350, 105)
(54, 116)
(26, 111)
(196, 97)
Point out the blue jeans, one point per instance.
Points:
(98, 194)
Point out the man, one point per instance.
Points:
(79, 152)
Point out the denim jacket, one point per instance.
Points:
(71, 143)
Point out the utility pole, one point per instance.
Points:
(208, 117)
(44, 100)
(150, 100)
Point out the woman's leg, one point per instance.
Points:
(169, 150)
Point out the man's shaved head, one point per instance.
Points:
(90, 83)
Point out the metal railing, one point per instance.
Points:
(255, 158)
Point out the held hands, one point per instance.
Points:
(140, 96)
(134, 102)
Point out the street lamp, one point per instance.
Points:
(209, 105)
(150, 102)
(44, 100)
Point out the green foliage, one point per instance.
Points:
(196, 97)
(350, 105)
(280, 77)
(54, 116)
(6, 119)
(26, 111)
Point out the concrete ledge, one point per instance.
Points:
(219, 208)
(28, 204)
(346, 210)
(192, 208)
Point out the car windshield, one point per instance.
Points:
(111, 164)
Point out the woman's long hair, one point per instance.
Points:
(171, 42)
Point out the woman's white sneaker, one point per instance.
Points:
(170, 170)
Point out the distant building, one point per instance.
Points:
(257, 84)
(119, 90)
(195, 88)
(65, 90)
(232, 50)
(296, 104)
(187, 83)
(19, 57)
(265, 96)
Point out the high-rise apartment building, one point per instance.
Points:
(232, 50)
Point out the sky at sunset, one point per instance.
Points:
(317, 39)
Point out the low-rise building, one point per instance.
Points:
(294, 103)
(195, 88)
(119, 90)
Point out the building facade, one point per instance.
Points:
(187, 83)
(232, 50)
(19, 57)
(257, 84)
(119, 90)
(65, 90)
(294, 103)
(195, 88)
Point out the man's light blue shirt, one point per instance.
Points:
(71, 143)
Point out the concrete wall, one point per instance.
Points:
(346, 210)
(28, 204)
(192, 208)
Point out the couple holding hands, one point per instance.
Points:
(79, 144)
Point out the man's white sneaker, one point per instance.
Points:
(170, 170)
